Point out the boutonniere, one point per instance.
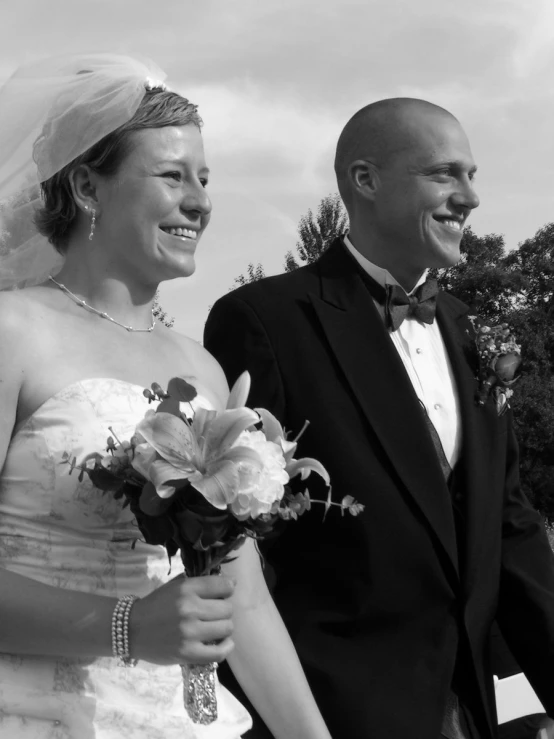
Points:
(499, 359)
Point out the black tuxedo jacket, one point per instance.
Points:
(380, 605)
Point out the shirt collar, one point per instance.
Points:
(380, 275)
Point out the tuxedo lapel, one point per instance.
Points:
(478, 428)
(378, 379)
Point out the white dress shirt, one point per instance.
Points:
(422, 351)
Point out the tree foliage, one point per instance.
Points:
(517, 287)
(159, 314)
(317, 232)
(253, 273)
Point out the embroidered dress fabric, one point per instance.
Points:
(68, 534)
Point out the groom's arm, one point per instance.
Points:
(236, 336)
(526, 598)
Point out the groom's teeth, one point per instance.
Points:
(454, 224)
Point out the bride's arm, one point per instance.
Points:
(176, 623)
(264, 660)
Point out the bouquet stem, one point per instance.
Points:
(199, 692)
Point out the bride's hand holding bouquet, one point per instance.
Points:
(187, 620)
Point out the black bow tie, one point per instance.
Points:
(422, 304)
(397, 305)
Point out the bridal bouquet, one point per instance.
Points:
(200, 482)
(499, 359)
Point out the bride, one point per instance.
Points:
(123, 200)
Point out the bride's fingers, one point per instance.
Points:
(200, 653)
(205, 610)
(206, 631)
(208, 587)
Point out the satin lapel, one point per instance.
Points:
(479, 425)
(377, 377)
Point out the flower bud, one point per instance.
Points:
(506, 366)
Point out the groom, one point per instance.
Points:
(390, 611)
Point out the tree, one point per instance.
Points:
(159, 314)
(253, 273)
(481, 279)
(318, 232)
(518, 288)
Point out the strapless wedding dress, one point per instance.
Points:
(68, 534)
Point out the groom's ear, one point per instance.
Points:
(364, 178)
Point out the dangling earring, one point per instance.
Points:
(92, 225)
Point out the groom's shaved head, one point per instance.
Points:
(381, 130)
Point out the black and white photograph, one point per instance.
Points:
(276, 369)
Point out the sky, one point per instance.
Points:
(276, 80)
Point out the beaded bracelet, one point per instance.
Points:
(120, 630)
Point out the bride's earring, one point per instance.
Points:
(92, 225)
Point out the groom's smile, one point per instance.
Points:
(426, 194)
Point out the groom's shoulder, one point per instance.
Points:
(452, 303)
(286, 288)
(292, 289)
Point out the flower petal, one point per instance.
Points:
(222, 432)
(171, 437)
(272, 428)
(202, 419)
(162, 473)
(220, 485)
(238, 454)
(303, 467)
(289, 448)
(240, 391)
(144, 456)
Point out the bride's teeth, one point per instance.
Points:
(181, 232)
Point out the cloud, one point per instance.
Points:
(261, 139)
(536, 47)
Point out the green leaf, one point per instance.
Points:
(181, 390)
(169, 405)
(151, 503)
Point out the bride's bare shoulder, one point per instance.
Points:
(18, 318)
(21, 309)
(15, 309)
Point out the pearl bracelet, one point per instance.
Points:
(120, 630)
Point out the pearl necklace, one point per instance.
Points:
(102, 314)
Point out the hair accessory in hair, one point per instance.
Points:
(151, 84)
